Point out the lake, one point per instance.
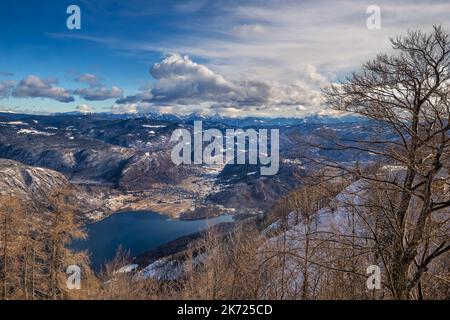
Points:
(136, 232)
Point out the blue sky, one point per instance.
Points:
(229, 57)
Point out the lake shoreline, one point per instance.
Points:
(138, 232)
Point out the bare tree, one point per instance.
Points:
(406, 97)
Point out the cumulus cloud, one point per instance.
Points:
(90, 79)
(99, 94)
(96, 90)
(183, 81)
(190, 86)
(275, 39)
(143, 96)
(84, 108)
(247, 43)
(312, 75)
(35, 87)
(6, 87)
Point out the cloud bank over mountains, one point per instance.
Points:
(186, 86)
(181, 85)
(84, 108)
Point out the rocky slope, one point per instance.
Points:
(26, 182)
(34, 184)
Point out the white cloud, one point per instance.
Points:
(96, 91)
(35, 87)
(84, 108)
(89, 78)
(277, 40)
(185, 86)
(140, 96)
(6, 87)
(125, 108)
(268, 57)
(99, 94)
(183, 81)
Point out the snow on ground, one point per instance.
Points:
(153, 126)
(162, 269)
(331, 220)
(15, 123)
(292, 220)
(34, 132)
(328, 218)
(213, 169)
(127, 269)
(295, 161)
